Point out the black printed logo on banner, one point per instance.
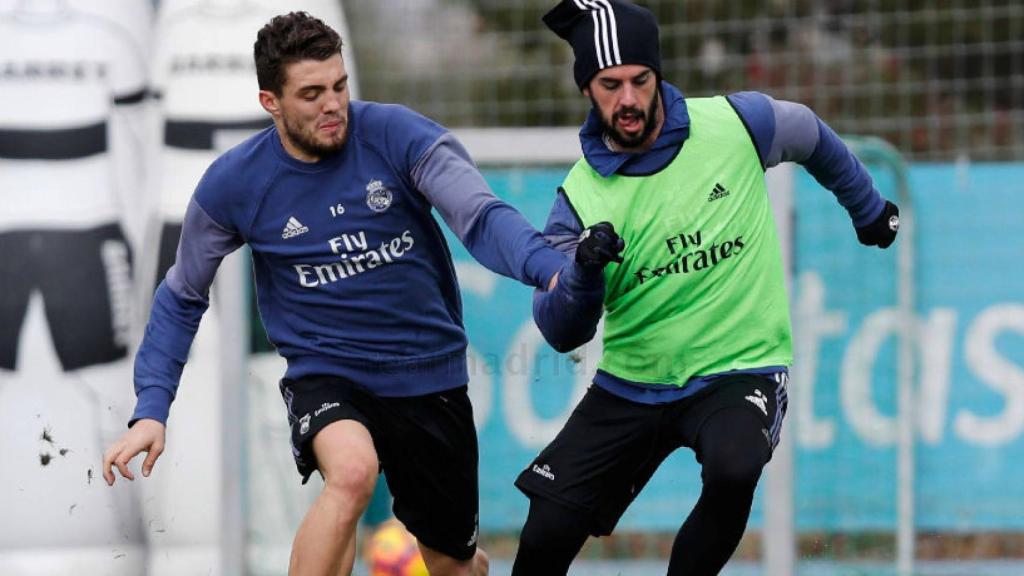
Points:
(211, 63)
(76, 71)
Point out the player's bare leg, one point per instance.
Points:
(439, 564)
(348, 560)
(325, 542)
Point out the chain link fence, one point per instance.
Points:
(939, 79)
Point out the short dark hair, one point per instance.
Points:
(289, 38)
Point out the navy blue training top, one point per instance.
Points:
(353, 275)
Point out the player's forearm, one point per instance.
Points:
(504, 242)
(568, 313)
(835, 167)
(178, 306)
(172, 326)
(495, 233)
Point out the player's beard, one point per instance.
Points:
(304, 137)
(648, 117)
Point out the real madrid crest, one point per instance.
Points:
(378, 198)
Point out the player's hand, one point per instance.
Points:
(599, 245)
(145, 436)
(881, 232)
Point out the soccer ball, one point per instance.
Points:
(392, 551)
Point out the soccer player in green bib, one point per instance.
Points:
(668, 221)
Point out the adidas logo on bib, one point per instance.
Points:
(718, 193)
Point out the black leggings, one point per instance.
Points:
(551, 538)
(732, 450)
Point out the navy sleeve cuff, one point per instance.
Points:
(154, 402)
(543, 264)
(579, 281)
(568, 315)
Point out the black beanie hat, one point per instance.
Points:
(606, 33)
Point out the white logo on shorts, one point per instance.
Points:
(304, 424)
(476, 530)
(759, 400)
(325, 407)
(545, 471)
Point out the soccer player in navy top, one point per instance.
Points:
(357, 291)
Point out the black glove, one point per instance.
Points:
(882, 231)
(599, 245)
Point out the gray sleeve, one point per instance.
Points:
(203, 245)
(796, 133)
(451, 182)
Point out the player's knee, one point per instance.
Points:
(734, 476)
(481, 563)
(550, 525)
(736, 469)
(439, 564)
(352, 482)
(734, 450)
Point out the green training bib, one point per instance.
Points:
(701, 288)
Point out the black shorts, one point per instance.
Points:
(85, 279)
(610, 447)
(427, 448)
